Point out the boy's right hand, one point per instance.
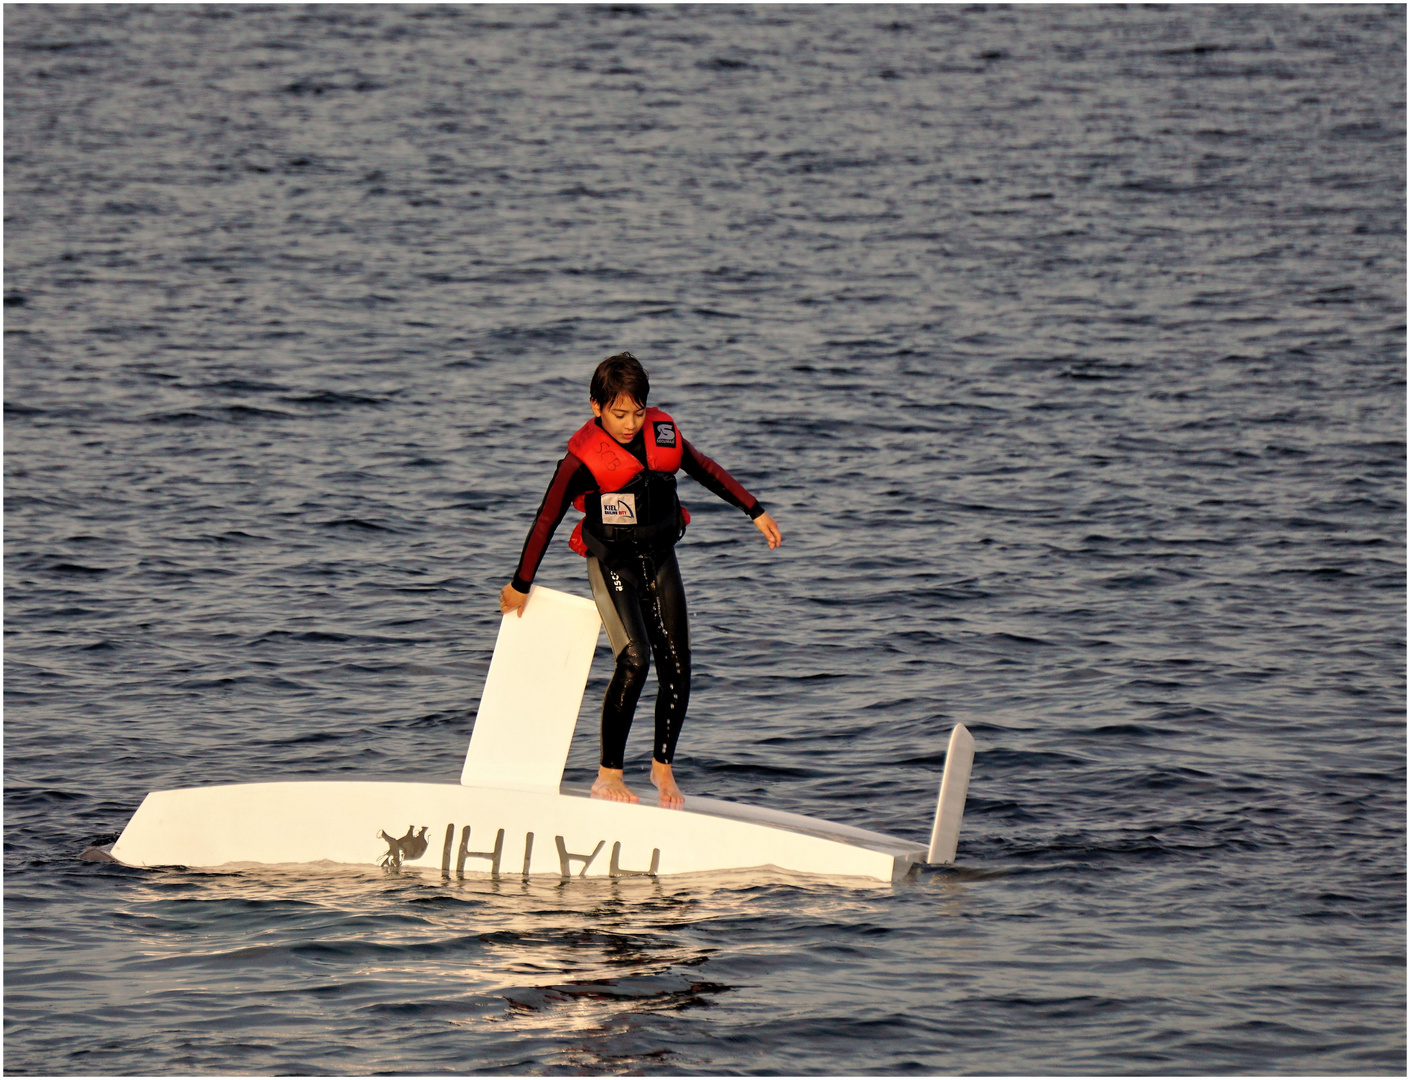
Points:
(511, 599)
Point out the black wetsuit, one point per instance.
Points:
(643, 620)
(640, 598)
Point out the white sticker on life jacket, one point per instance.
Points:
(619, 509)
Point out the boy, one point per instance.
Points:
(620, 470)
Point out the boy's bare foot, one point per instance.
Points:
(609, 785)
(671, 795)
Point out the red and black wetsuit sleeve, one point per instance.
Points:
(571, 479)
(710, 476)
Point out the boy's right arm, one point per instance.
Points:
(567, 484)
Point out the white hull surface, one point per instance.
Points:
(508, 815)
(459, 830)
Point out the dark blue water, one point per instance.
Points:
(1066, 345)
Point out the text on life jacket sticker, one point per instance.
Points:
(619, 509)
(665, 433)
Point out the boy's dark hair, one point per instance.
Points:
(619, 374)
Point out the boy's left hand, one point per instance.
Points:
(769, 527)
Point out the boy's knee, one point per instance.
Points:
(634, 661)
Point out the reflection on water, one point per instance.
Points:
(539, 959)
(619, 939)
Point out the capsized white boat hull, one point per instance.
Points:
(509, 814)
(460, 829)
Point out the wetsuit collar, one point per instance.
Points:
(637, 446)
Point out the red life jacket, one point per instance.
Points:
(613, 466)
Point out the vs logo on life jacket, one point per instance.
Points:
(665, 433)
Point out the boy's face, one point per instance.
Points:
(622, 419)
